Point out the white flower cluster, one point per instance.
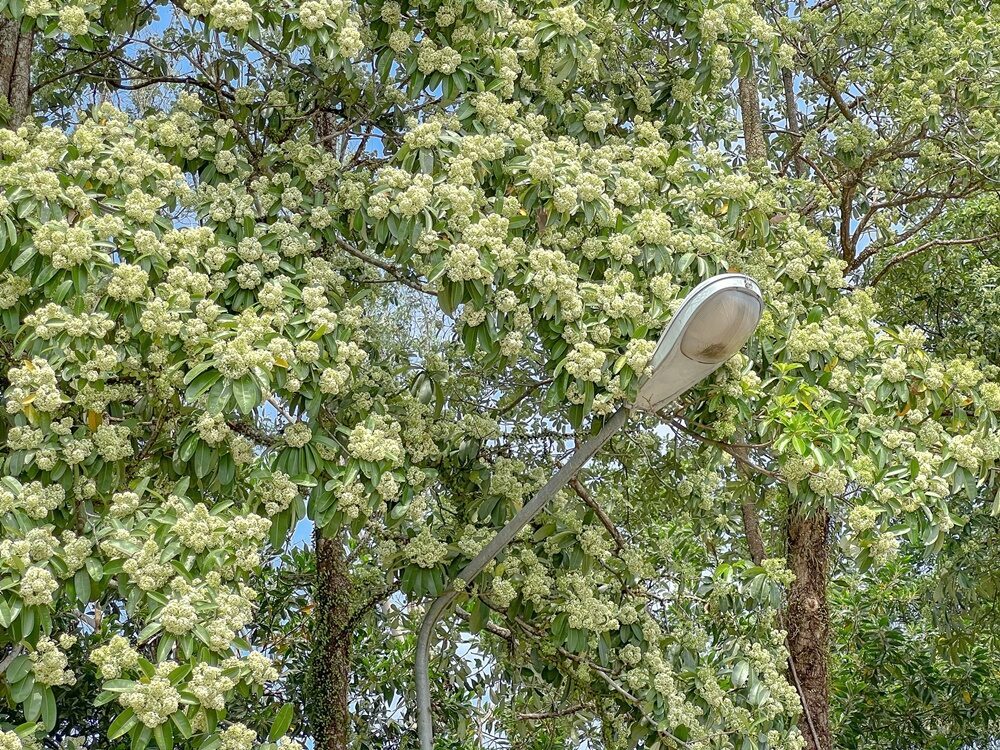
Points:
(153, 701)
(233, 612)
(297, 434)
(990, 394)
(862, 518)
(49, 664)
(352, 499)
(228, 15)
(37, 546)
(432, 58)
(594, 542)
(244, 537)
(33, 383)
(894, 370)
(966, 451)
(38, 500)
(124, 504)
(502, 592)
(213, 428)
(508, 479)
(376, 440)
(425, 550)
(178, 615)
(828, 483)
(256, 667)
(48, 320)
(568, 20)
(586, 610)
(210, 686)
(129, 283)
(113, 442)
(238, 737)
(146, 568)
(37, 586)
(463, 264)
(277, 492)
(12, 288)
(115, 658)
(66, 245)
(197, 529)
(586, 362)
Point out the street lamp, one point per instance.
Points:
(715, 320)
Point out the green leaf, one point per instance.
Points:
(18, 669)
(49, 713)
(33, 706)
(140, 738)
(147, 667)
(119, 685)
(931, 534)
(81, 582)
(281, 722)
(247, 394)
(181, 722)
(148, 632)
(164, 736)
(20, 691)
(218, 396)
(203, 459)
(122, 723)
(179, 673)
(164, 647)
(741, 672)
(27, 622)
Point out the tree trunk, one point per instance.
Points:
(329, 678)
(329, 669)
(15, 69)
(807, 615)
(753, 127)
(792, 120)
(808, 621)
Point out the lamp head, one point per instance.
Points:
(713, 323)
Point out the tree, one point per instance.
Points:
(218, 274)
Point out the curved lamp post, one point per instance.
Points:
(715, 320)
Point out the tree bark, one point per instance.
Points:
(15, 69)
(792, 120)
(328, 680)
(808, 621)
(751, 527)
(750, 114)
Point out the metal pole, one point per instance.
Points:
(500, 542)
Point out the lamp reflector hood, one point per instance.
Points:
(714, 322)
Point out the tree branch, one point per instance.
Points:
(394, 271)
(551, 714)
(584, 495)
(927, 246)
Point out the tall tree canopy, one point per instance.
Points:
(366, 272)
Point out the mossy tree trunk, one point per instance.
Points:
(807, 617)
(328, 681)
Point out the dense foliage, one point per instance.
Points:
(367, 271)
